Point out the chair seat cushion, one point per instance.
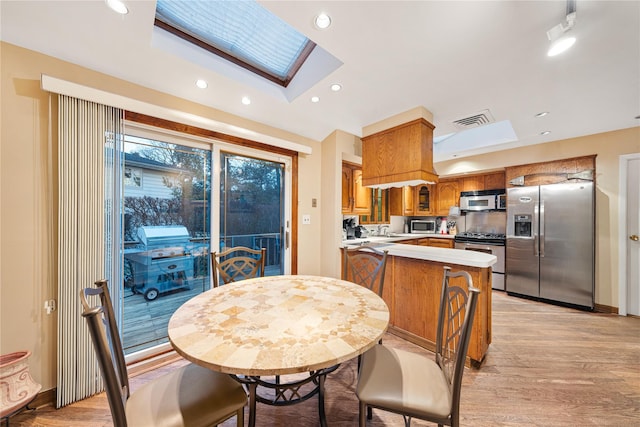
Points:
(191, 395)
(403, 382)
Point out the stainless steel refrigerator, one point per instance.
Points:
(550, 250)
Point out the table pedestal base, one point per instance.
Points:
(286, 393)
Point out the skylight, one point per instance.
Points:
(242, 32)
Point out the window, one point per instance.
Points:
(242, 32)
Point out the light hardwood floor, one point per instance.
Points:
(547, 366)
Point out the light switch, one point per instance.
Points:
(306, 219)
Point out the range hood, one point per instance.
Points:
(397, 155)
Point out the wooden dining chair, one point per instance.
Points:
(237, 263)
(365, 265)
(416, 386)
(188, 396)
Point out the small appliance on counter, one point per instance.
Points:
(443, 226)
(349, 226)
(423, 226)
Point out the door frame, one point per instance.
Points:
(622, 230)
(222, 146)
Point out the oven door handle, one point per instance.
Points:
(477, 246)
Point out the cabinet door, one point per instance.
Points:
(424, 200)
(423, 242)
(472, 183)
(494, 181)
(441, 243)
(361, 195)
(408, 201)
(347, 186)
(448, 195)
(401, 201)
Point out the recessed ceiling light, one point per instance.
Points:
(542, 114)
(117, 6)
(322, 21)
(315, 99)
(202, 84)
(546, 132)
(246, 100)
(336, 87)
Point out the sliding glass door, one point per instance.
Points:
(172, 221)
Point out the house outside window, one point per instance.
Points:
(132, 177)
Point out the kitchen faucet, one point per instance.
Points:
(380, 227)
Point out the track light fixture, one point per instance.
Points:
(560, 41)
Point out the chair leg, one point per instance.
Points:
(240, 417)
(369, 413)
(361, 414)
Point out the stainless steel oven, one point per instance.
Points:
(492, 244)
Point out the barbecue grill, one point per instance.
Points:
(163, 263)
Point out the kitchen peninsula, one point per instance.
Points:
(413, 281)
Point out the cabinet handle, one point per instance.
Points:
(634, 237)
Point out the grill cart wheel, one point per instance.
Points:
(151, 294)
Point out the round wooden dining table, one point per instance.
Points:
(278, 325)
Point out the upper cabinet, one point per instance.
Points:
(448, 195)
(356, 199)
(494, 181)
(485, 181)
(425, 200)
(401, 201)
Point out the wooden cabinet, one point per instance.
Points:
(494, 181)
(356, 199)
(472, 183)
(447, 194)
(413, 201)
(416, 286)
(486, 181)
(436, 242)
(425, 200)
(402, 201)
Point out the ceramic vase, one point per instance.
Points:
(17, 387)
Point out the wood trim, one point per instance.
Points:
(550, 172)
(601, 308)
(206, 133)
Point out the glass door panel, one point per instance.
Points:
(252, 213)
(166, 223)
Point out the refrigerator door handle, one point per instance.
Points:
(541, 232)
(536, 237)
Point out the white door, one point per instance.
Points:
(630, 243)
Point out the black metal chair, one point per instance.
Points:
(237, 263)
(416, 386)
(188, 396)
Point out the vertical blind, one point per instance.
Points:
(89, 147)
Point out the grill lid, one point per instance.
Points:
(163, 235)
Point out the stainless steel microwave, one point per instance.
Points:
(423, 226)
(487, 200)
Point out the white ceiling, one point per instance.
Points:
(456, 58)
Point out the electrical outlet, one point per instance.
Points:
(50, 306)
(306, 219)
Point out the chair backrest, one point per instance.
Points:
(365, 266)
(237, 263)
(106, 342)
(455, 320)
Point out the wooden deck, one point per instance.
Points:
(145, 322)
